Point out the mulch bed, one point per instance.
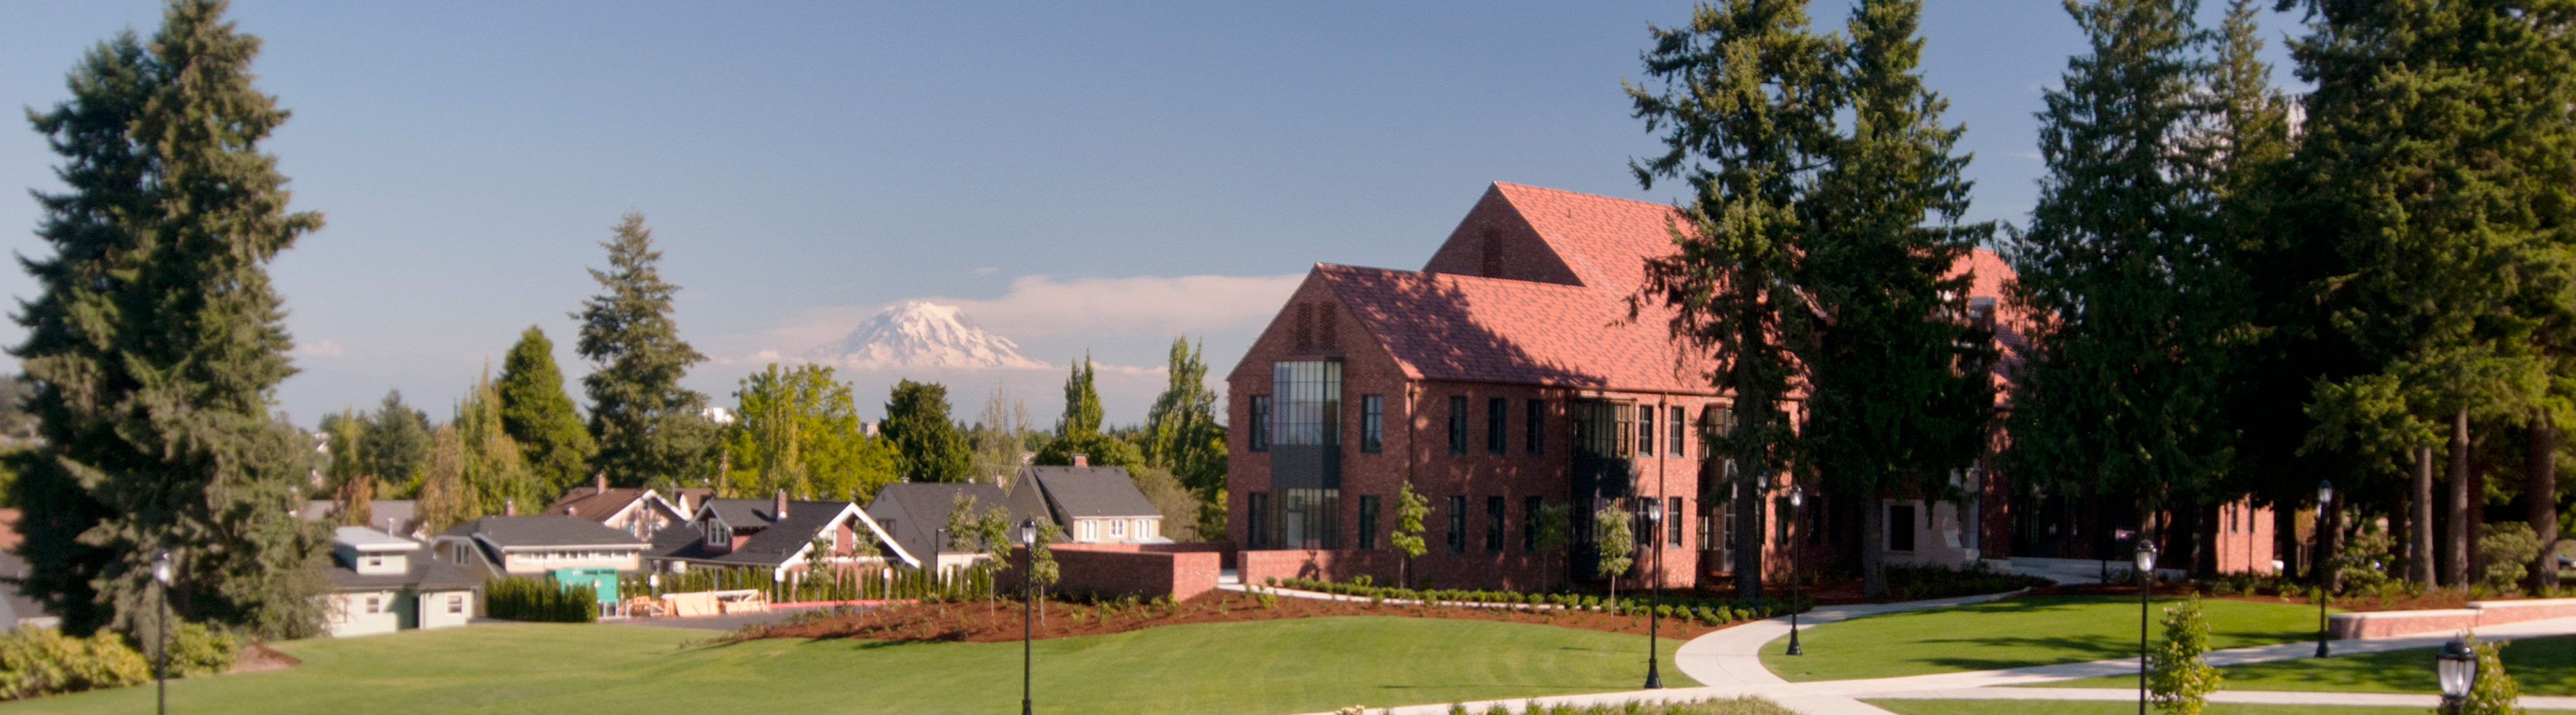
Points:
(256, 658)
(1000, 621)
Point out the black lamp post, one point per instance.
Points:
(2146, 563)
(2457, 667)
(161, 669)
(1655, 538)
(2325, 500)
(1797, 498)
(1028, 600)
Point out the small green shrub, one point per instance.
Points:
(2180, 680)
(198, 650)
(2508, 549)
(36, 662)
(2492, 691)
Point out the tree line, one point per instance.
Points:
(2223, 292)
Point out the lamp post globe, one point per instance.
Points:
(2325, 501)
(2145, 561)
(1797, 499)
(2457, 667)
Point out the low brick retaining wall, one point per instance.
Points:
(1118, 570)
(1257, 567)
(2383, 624)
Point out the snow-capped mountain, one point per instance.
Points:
(918, 334)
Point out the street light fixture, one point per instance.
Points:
(1655, 537)
(161, 670)
(1028, 597)
(2457, 667)
(2145, 559)
(1797, 498)
(2325, 501)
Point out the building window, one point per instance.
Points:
(1256, 508)
(1497, 414)
(1494, 512)
(1816, 519)
(1458, 522)
(1534, 427)
(1260, 432)
(1677, 422)
(375, 561)
(1715, 423)
(1457, 424)
(456, 603)
(1309, 405)
(1310, 518)
(1900, 526)
(716, 534)
(1372, 423)
(1117, 528)
(1603, 429)
(1673, 520)
(1530, 508)
(1368, 521)
(1646, 431)
(375, 604)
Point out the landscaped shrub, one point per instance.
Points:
(1915, 583)
(2508, 550)
(2180, 680)
(2492, 691)
(531, 599)
(41, 661)
(198, 650)
(2363, 562)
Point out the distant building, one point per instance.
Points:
(776, 533)
(1093, 505)
(916, 515)
(643, 513)
(381, 583)
(393, 516)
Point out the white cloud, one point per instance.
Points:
(319, 348)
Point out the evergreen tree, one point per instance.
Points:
(1746, 95)
(798, 430)
(2125, 295)
(395, 445)
(1078, 432)
(537, 413)
(1181, 431)
(156, 344)
(1081, 402)
(649, 429)
(1896, 402)
(2435, 161)
(927, 445)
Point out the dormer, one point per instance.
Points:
(719, 535)
(372, 553)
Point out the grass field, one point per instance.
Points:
(2012, 633)
(2543, 666)
(2096, 707)
(1254, 667)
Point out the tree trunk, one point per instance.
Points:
(2419, 540)
(2540, 461)
(2285, 536)
(2455, 565)
(2329, 542)
(1749, 532)
(1873, 549)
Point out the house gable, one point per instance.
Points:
(1496, 241)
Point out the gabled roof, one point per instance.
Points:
(1442, 326)
(594, 503)
(776, 541)
(510, 532)
(425, 574)
(1604, 240)
(1088, 492)
(919, 509)
(368, 540)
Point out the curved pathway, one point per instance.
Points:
(1728, 664)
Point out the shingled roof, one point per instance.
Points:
(509, 532)
(1086, 492)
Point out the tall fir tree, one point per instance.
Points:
(2123, 291)
(2435, 160)
(537, 413)
(650, 430)
(1743, 104)
(394, 444)
(1896, 402)
(1081, 401)
(927, 444)
(156, 342)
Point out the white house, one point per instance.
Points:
(381, 583)
(539, 546)
(1094, 505)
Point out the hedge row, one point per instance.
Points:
(1711, 611)
(519, 598)
(36, 662)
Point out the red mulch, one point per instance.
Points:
(994, 622)
(256, 658)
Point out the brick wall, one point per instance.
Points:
(1124, 569)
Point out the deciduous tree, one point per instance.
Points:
(927, 444)
(798, 430)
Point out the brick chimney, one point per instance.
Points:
(509, 507)
(781, 514)
(1082, 460)
(600, 486)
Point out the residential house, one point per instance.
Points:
(381, 583)
(392, 516)
(1093, 505)
(643, 513)
(568, 549)
(16, 609)
(776, 533)
(1510, 375)
(916, 515)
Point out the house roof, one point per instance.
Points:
(1604, 240)
(1089, 492)
(508, 532)
(366, 539)
(917, 510)
(425, 574)
(594, 503)
(392, 514)
(1442, 326)
(777, 541)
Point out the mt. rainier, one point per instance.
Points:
(918, 334)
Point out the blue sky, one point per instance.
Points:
(1081, 176)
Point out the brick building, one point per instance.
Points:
(1506, 376)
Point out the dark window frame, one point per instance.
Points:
(1534, 427)
(1256, 507)
(1678, 433)
(1372, 423)
(1530, 507)
(1457, 424)
(1646, 418)
(1673, 521)
(1498, 411)
(1458, 523)
(1497, 511)
(1368, 521)
(1259, 435)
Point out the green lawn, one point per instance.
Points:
(2013, 633)
(2544, 666)
(2098, 707)
(1281, 666)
